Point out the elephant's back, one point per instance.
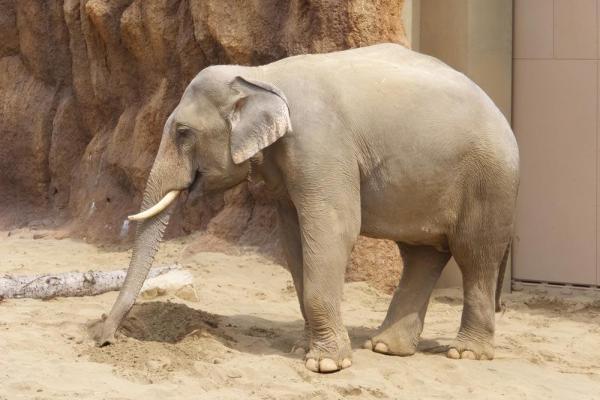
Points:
(407, 99)
(371, 61)
(383, 76)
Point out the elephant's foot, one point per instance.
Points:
(469, 349)
(102, 332)
(393, 341)
(302, 345)
(329, 355)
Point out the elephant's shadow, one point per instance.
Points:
(172, 323)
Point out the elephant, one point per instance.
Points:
(381, 141)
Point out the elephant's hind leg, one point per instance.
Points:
(479, 258)
(399, 334)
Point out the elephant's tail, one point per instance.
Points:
(501, 272)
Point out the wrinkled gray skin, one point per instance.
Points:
(381, 141)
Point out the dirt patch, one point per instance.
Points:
(578, 308)
(167, 322)
(151, 362)
(159, 338)
(453, 301)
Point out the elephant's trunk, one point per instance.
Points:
(148, 236)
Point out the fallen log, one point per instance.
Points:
(69, 284)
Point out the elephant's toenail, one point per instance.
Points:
(328, 365)
(381, 347)
(299, 351)
(368, 344)
(468, 355)
(453, 353)
(346, 363)
(312, 365)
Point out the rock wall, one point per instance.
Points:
(86, 85)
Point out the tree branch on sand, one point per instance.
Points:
(69, 284)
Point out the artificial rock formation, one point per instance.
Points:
(86, 86)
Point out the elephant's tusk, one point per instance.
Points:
(157, 208)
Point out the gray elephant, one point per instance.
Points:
(380, 141)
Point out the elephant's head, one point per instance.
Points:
(223, 119)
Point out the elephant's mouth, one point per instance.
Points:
(165, 201)
(196, 181)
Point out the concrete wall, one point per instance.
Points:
(556, 110)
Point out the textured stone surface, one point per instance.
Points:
(86, 85)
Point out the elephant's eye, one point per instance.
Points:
(183, 130)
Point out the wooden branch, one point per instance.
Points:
(69, 284)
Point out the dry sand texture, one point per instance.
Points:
(234, 342)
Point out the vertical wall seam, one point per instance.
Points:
(597, 108)
(512, 119)
(554, 28)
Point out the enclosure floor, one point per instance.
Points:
(234, 342)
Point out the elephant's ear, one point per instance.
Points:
(259, 117)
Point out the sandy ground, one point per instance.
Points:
(234, 342)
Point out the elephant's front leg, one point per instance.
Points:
(328, 235)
